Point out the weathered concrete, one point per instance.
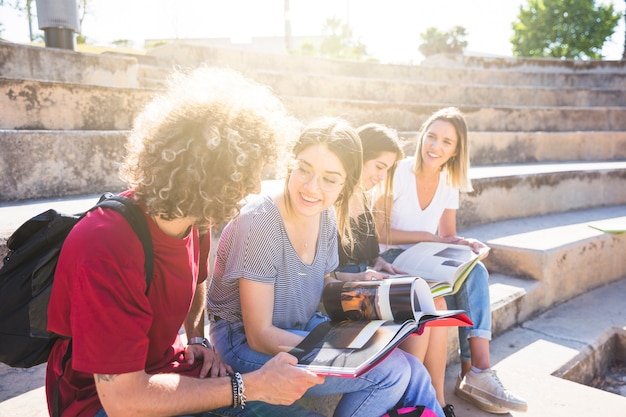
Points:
(65, 106)
(36, 105)
(51, 64)
(516, 191)
(444, 92)
(505, 72)
(38, 164)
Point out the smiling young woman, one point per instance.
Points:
(272, 263)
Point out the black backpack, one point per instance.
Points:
(28, 271)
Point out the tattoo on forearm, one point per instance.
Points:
(105, 377)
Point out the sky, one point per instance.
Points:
(389, 28)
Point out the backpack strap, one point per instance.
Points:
(136, 218)
(55, 397)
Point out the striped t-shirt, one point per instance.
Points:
(255, 246)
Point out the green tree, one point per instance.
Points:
(563, 29)
(437, 42)
(339, 42)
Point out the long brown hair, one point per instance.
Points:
(341, 139)
(377, 139)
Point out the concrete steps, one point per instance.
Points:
(409, 115)
(32, 104)
(37, 164)
(446, 69)
(548, 146)
(411, 90)
(498, 148)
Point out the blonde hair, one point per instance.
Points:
(199, 148)
(456, 167)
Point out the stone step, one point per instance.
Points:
(527, 190)
(491, 148)
(52, 64)
(561, 251)
(43, 163)
(47, 164)
(38, 164)
(46, 105)
(576, 66)
(417, 90)
(407, 116)
(519, 72)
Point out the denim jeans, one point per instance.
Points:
(400, 380)
(473, 297)
(252, 409)
(353, 268)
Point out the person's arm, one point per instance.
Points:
(194, 322)
(139, 394)
(194, 327)
(447, 230)
(257, 309)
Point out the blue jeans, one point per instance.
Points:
(400, 380)
(353, 268)
(473, 297)
(252, 409)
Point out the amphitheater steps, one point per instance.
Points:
(32, 104)
(526, 190)
(493, 148)
(411, 90)
(65, 106)
(451, 70)
(561, 250)
(409, 115)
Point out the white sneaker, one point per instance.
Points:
(485, 391)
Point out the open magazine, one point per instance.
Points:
(368, 320)
(613, 226)
(443, 265)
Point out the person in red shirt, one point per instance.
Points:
(194, 153)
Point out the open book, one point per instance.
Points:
(613, 226)
(368, 320)
(443, 265)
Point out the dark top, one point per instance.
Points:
(365, 242)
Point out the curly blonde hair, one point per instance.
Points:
(200, 147)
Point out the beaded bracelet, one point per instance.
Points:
(239, 390)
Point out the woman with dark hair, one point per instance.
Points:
(361, 260)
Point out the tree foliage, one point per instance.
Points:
(436, 41)
(563, 29)
(339, 42)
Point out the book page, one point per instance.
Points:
(434, 261)
(330, 349)
(614, 226)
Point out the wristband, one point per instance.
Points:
(199, 341)
(239, 390)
